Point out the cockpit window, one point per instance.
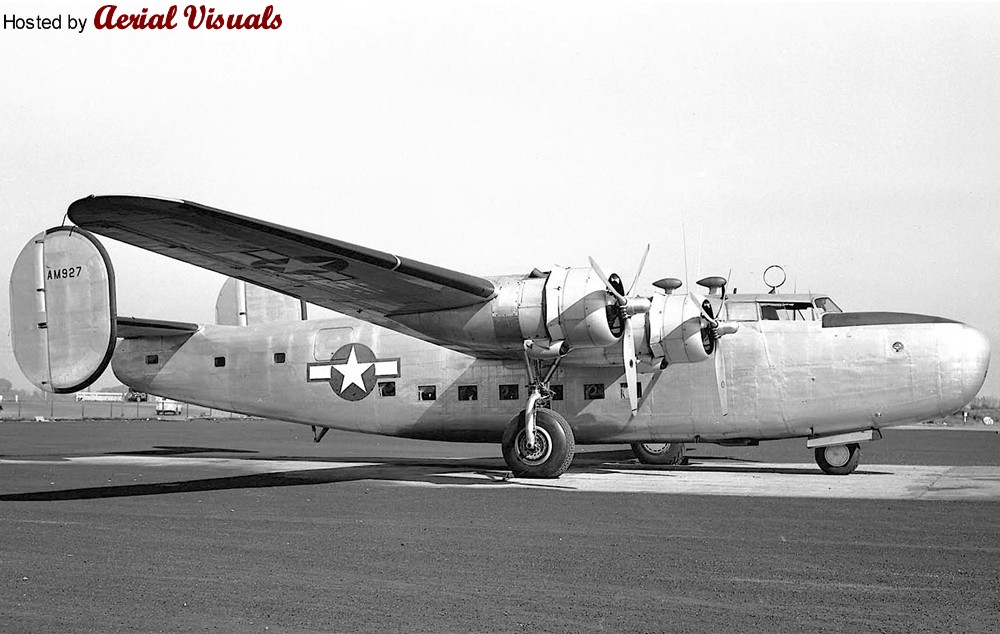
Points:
(741, 311)
(826, 305)
(776, 310)
(786, 311)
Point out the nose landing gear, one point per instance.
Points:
(838, 459)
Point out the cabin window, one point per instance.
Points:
(624, 389)
(220, 362)
(557, 392)
(152, 359)
(427, 392)
(468, 392)
(509, 392)
(279, 357)
(387, 388)
(593, 391)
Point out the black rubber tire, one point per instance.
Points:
(671, 453)
(832, 460)
(555, 453)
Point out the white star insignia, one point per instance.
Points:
(352, 371)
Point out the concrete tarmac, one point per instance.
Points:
(240, 526)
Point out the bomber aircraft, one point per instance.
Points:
(539, 361)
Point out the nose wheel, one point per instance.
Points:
(838, 459)
(659, 453)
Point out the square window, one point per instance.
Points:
(152, 359)
(220, 362)
(279, 357)
(468, 392)
(387, 388)
(509, 392)
(624, 389)
(557, 392)
(593, 391)
(427, 392)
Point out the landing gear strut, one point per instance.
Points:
(538, 442)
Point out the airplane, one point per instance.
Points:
(540, 362)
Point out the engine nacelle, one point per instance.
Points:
(676, 331)
(568, 305)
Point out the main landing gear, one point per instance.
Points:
(550, 454)
(538, 442)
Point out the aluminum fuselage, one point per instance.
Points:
(784, 379)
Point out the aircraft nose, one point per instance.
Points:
(965, 365)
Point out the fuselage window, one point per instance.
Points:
(279, 357)
(624, 389)
(427, 392)
(557, 392)
(220, 362)
(593, 391)
(152, 359)
(387, 388)
(468, 392)
(509, 392)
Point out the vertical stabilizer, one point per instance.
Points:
(243, 304)
(62, 307)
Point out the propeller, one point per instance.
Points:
(628, 307)
(718, 329)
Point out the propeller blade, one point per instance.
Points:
(649, 388)
(709, 318)
(720, 378)
(622, 300)
(628, 353)
(642, 263)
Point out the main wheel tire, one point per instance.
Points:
(659, 453)
(838, 459)
(553, 450)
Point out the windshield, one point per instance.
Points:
(776, 310)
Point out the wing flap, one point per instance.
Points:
(344, 277)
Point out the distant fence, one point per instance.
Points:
(73, 410)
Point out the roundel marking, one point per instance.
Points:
(353, 371)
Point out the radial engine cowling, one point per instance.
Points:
(579, 310)
(676, 330)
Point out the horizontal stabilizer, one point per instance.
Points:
(133, 327)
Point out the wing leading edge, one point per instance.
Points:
(344, 277)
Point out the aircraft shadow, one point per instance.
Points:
(444, 472)
(178, 451)
(441, 471)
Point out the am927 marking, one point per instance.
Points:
(64, 273)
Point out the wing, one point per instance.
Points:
(350, 279)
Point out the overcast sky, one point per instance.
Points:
(857, 145)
